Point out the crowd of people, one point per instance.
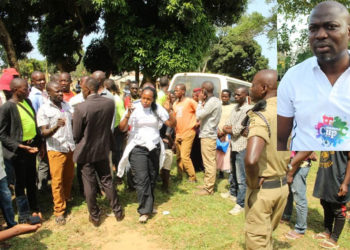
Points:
(49, 132)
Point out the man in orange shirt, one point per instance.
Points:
(185, 111)
(65, 80)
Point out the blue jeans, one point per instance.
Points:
(6, 203)
(297, 192)
(236, 178)
(10, 172)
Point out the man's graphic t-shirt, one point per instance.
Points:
(321, 112)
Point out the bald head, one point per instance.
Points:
(19, 89)
(55, 77)
(100, 76)
(51, 85)
(17, 83)
(208, 86)
(332, 6)
(83, 80)
(267, 77)
(264, 85)
(36, 73)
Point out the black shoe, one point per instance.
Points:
(94, 222)
(121, 216)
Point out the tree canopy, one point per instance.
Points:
(237, 53)
(161, 37)
(157, 37)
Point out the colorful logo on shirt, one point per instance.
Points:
(332, 131)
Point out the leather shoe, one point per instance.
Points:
(96, 223)
(121, 216)
(202, 192)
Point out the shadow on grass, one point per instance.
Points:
(45, 200)
(31, 242)
(314, 220)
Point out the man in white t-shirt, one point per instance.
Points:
(314, 96)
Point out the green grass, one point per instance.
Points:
(193, 223)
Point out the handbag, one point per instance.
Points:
(223, 145)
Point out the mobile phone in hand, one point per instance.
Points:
(32, 220)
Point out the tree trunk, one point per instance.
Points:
(6, 42)
(137, 75)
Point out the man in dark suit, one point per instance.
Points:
(92, 134)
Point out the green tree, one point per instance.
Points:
(237, 53)
(98, 57)
(63, 28)
(27, 66)
(292, 9)
(163, 37)
(16, 20)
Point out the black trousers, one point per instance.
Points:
(24, 165)
(334, 218)
(89, 171)
(145, 167)
(43, 172)
(117, 149)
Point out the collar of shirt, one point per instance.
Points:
(64, 106)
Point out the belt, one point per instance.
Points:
(274, 184)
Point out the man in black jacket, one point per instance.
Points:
(93, 136)
(21, 139)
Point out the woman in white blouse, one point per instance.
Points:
(145, 150)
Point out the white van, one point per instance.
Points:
(195, 80)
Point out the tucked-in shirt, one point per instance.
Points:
(185, 113)
(209, 117)
(62, 140)
(37, 97)
(238, 142)
(27, 120)
(321, 111)
(330, 176)
(271, 163)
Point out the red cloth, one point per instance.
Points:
(196, 90)
(11, 71)
(5, 81)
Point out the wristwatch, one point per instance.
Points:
(289, 167)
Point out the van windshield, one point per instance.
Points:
(192, 82)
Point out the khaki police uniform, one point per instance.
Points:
(264, 206)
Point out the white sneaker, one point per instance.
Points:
(143, 218)
(228, 195)
(236, 210)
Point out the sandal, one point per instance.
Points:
(321, 236)
(328, 244)
(292, 235)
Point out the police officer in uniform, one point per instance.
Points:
(266, 168)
